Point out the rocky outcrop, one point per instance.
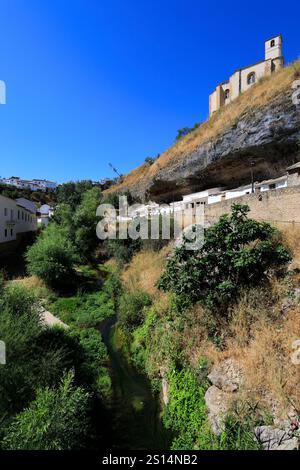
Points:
(226, 378)
(218, 404)
(268, 136)
(164, 385)
(277, 439)
(227, 375)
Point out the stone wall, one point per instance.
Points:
(281, 205)
(21, 242)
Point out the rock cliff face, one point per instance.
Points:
(269, 136)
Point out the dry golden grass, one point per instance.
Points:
(144, 271)
(269, 370)
(257, 96)
(291, 235)
(34, 285)
(259, 334)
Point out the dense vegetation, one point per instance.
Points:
(236, 252)
(43, 366)
(55, 378)
(39, 197)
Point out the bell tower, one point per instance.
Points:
(273, 48)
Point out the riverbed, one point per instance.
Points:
(136, 409)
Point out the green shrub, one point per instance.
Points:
(113, 287)
(141, 339)
(94, 362)
(52, 258)
(87, 310)
(131, 309)
(186, 413)
(123, 250)
(239, 433)
(55, 420)
(237, 252)
(35, 356)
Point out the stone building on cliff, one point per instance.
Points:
(244, 78)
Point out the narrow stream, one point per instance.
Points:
(135, 410)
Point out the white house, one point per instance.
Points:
(33, 185)
(238, 192)
(202, 197)
(43, 185)
(44, 214)
(276, 183)
(15, 219)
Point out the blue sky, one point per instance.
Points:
(91, 82)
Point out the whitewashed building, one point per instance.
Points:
(44, 214)
(15, 219)
(276, 183)
(195, 199)
(238, 192)
(33, 185)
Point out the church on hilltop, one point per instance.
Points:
(244, 78)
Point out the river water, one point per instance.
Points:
(136, 420)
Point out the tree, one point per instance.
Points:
(85, 222)
(52, 258)
(150, 160)
(185, 131)
(55, 420)
(237, 251)
(71, 193)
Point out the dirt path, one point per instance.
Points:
(50, 320)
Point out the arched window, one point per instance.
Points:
(273, 43)
(251, 78)
(227, 94)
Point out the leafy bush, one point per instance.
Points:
(52, 258)
(95, 358)
(131, 309)
(185, 131)
(84, 309)
(55, 420)
(150, 160)
(35, 356)
(123, 250)
(237, 251)
(186, 413)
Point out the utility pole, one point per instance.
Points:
(252, 163)
(115, 170)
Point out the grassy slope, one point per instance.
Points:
(259, 333)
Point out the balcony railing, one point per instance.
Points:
(11, 222)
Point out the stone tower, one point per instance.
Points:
(273, 52)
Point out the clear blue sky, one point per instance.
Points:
(91, 81)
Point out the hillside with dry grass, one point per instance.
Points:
(208, 145)
(252, 345)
